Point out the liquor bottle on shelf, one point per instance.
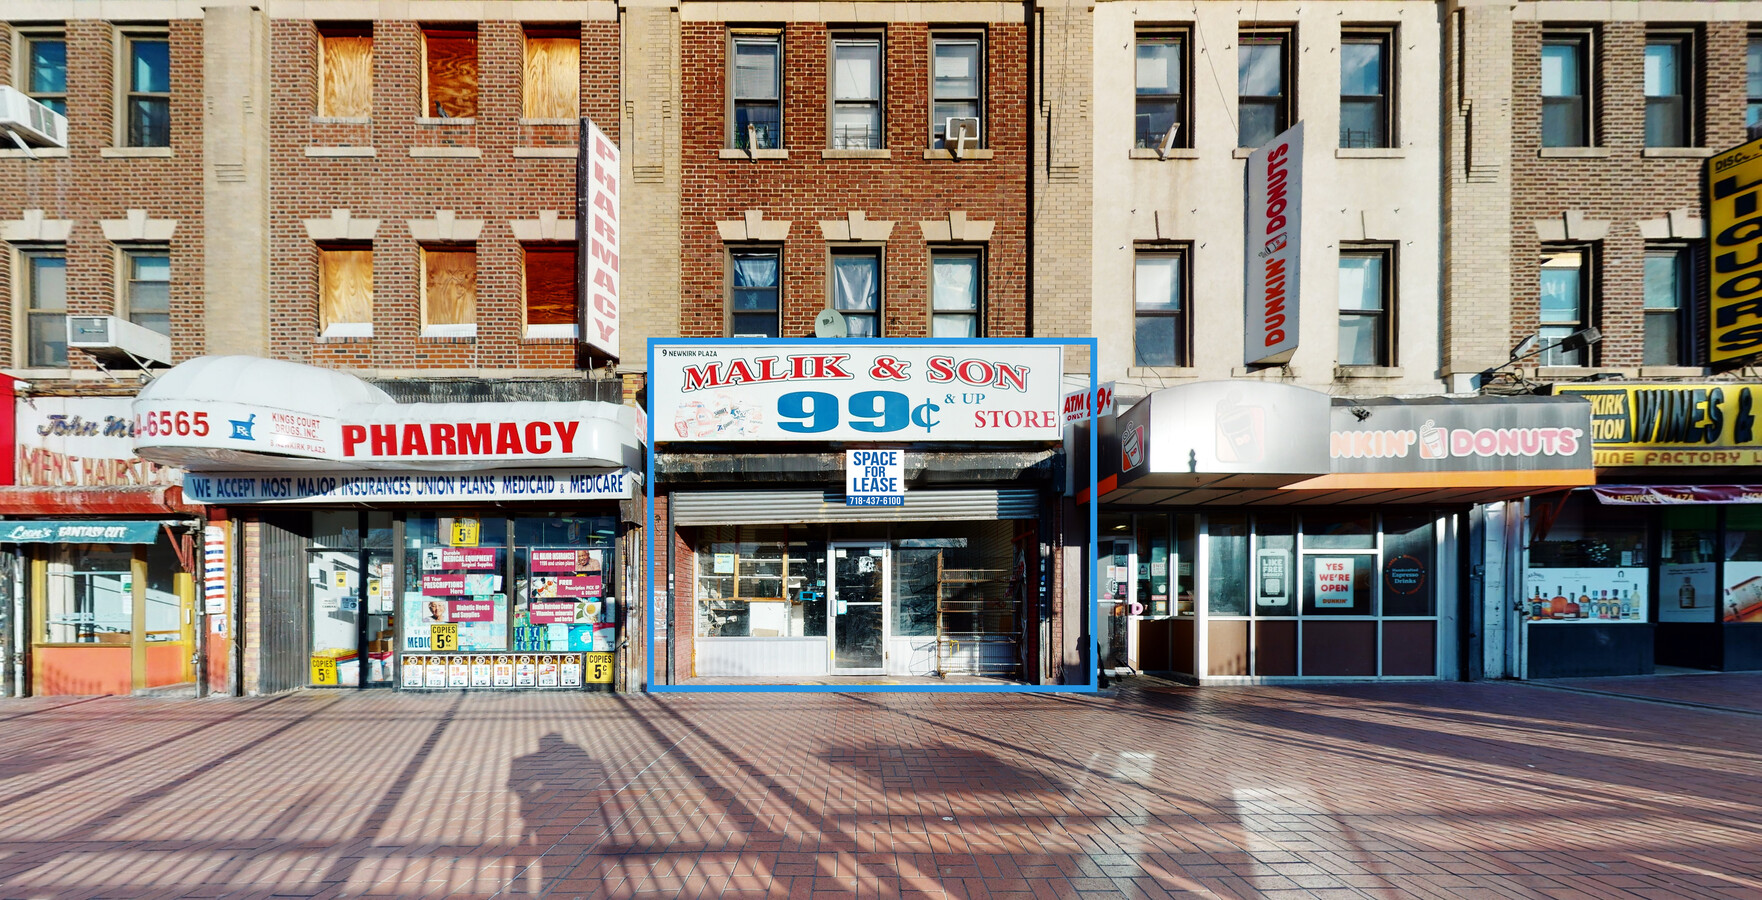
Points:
(1603, 605)
(1685, 595)
(1538, 605)
(1629, 608)
(1582, 608)
(1557, 606)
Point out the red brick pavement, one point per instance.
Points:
(1415, 790)
(1734, 690)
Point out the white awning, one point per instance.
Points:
(244, 413)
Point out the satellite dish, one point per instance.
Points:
(830, 324)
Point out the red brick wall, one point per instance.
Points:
(1624, 188)
(87, 188)
(806, 189)
(395, 188)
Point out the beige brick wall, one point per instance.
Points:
(1477, 185)
(1063, 175)
(651, 170)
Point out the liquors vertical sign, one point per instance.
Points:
(596, 241)
(1734, 222)
(1274, 249)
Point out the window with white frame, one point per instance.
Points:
(755, 91)
(957, 292)
(957, 83)
(45, 68)
(1263, 85)
(857, 120)
(146, 289)
(1565, 306)
(1669, 80)
(1666, 286)
(1566, 82)
(147, 100)
(1366, 306)
(45, 308)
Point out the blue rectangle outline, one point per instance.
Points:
(1089, 606)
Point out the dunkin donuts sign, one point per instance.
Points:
(1459, 436)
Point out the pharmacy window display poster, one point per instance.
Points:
(564, 603)
(1743, 591)
(1585, 595)
(1686, 592)
(463, 585)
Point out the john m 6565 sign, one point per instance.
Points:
(856, 391)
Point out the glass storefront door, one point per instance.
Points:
(350, 580)
(859, 608)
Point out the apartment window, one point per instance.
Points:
(957, 292)
(755, 282)
(146, 294)
(757, 85)
(1366, 82)
(148, 104)
(345, 291)
(45, 292)
(1162, 110)
(1263, 75)
(1160, 333)
(550, 87)
(957, 85)
(449, 292)
(1753, 65)
(856, 289)
(1667, 285)
(1366, 307)
(856, 92)
(1667, 80)
(45, 76)
(449, 89)
(550, 290)
(1565, 304)
(345, 72)
(1566, 107)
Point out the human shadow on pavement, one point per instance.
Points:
(558, 788)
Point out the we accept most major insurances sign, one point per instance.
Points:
(856, 391)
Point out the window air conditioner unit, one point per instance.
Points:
(30, 122)
(960, 134)
(117, 341)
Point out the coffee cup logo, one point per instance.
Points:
(1241, 431)
(1132, 447)
(1432, 441)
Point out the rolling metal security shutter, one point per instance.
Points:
(797, 507)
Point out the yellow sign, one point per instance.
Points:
(1734, 229)
(342, 579)
(1672, 424)
(443, 637)
(598, 668)
(466, 532)
(324, 671)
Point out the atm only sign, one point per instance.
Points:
(818, 391)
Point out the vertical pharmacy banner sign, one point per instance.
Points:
(1734, 224)
(1274, 249)
(596, 241)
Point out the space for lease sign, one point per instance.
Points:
(856, 391)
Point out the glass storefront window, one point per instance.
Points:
(1338, 584)
(1688, 564)
(1227, 581)
(1275, 549)
(1186, 551)
(563, 584)
(1742, 600)
(1154, 565)
(1339, 531)
(455, 570)
(1410, 566)
(89, 593)
(1588, 564)
(756, 582)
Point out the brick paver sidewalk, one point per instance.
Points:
(1429, 790)
(1733, 690)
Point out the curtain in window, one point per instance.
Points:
(755, 271)
(552, 88)
(452, 287)
(345, 288)
(347, 79)
(854, 283)
(956, 283)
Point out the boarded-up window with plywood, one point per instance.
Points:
(450, 90)
(551, 88)
(345, 74)
(449, 295)
(345, 291)
(550, 290)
